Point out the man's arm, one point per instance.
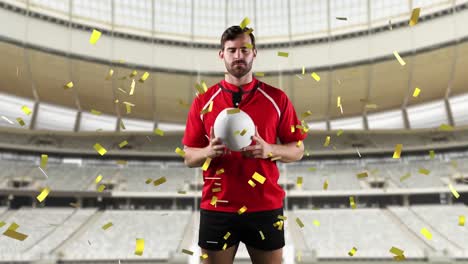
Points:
(288, 152)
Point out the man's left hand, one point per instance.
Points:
(260, 150)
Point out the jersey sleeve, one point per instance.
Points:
(195, 133)
(289, 118)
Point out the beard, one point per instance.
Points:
(238, 69)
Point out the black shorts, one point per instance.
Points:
(242, 228)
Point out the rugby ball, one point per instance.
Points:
(235, 128)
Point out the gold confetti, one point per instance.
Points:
(352, 252)
(258, 177)
(243, 132)
(132, 87)
(279, 225)
(261, 235)
(275, 158)
(206, 164)
(303, 70)
(98, 179)
(317, 223)
(215, 190)
(227, 235)
(416, 92)
(362, 175)
(342, 18)
(133, 74)
(338, 101)
(315, 76)
(123, 144)
(208, 109)
(44, 159)
(159, 181)
(225, 246)
(100, 149)
(404, 177)
(11, 233)
(95, 112)
(371, 106)
(424, 171)
(351, 202)
(299, 143)
(293, 129)
(109, 75)
(339, 133)
(188, 252)
(140, 246)
(68, 85)
(306, 114)
(426, 233)
(252, 183)
(283, 54)
(396, 251)
(106, 226)
(325, 185)
(148, 181)
(214, 199)
(260, 74)
(461, 220)
(250, 30)
(327, 141)
(242, 210)
(101, 188)
(282, 217)
(180, 152)
(248, 45)
(26, 110)
(44, 193)
(144, 77)
(432, 154)
(95, 35)
(454, 192)
(445, 127)
(233, 111)
(244, 22)
(220, 171)
(299, 222)
(204, 256)
(299, 181)
(414, 17)
(400, 60)
(20, 121)
(121, 162)
(397, 153)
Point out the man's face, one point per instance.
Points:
(237, 57)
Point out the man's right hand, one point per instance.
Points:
(216, 147)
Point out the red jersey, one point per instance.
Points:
(273, 115)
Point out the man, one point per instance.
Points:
(233, 209)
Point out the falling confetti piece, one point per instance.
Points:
(20, 121)
(68, 85)
(140, 246)
(416, 92)
(100, 149)
(445, 127)
(258, 177)
(283, 54)
(188, 252)
(260, 74)
(299, 222)
(352, 252)
(106, 226)
(180, 152)
(432, 154)
(26, 110)
(327, 141)
(339, 133)
(404, 177)
(414, 17)
(98, 179)
(461, 220)
(123, 144)
(400, 60)
(315, 76)
(242, 210)
(426, 233)
(101, 188)
(397, 152)
(159, 181)
(424, 171)
(316, 222)
(44, 159)
(454, 192)
(95, 35)
(244, 22)
(44, 193)
(362, 175)
(206, 164)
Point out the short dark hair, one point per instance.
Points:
(233, 32)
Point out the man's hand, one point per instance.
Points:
(215, 148)
(260, 150)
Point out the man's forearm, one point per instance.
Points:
(289, 152)
(194, 157)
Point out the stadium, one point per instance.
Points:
(94, 101)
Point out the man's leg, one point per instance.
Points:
(265, 257)
(220, 256)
